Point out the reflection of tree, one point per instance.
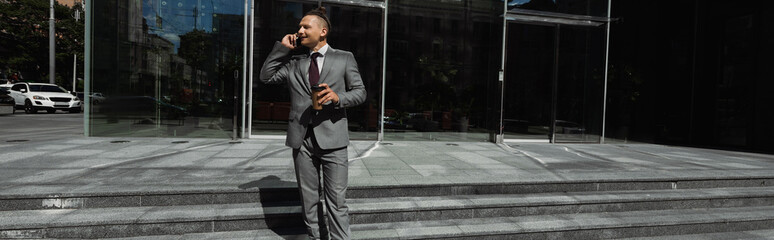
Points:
(24, 39)
(440, 93)
(196, 48)
(625, 86)
(437, 93)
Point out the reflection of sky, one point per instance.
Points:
(177, 17)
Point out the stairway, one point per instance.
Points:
(684, 208)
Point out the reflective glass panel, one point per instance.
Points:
(529, 80)
(357, 29)
(166, 67)
(554, 83)
(580, 84)
(443, 59)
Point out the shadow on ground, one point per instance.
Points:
(276, 194)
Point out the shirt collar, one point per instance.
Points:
(322, 50)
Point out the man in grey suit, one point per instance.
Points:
(319, 138)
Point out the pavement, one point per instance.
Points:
(48, 154)
(91, 165)
(45, 161)
(41, 126)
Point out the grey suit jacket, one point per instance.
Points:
(339, 71)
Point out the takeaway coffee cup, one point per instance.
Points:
(315, 99)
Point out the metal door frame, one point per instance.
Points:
(556, 20)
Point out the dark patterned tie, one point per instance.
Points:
(314, 72)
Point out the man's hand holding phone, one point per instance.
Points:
(291, 41)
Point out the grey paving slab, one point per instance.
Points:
(420, 232)
(274, 161)
(144, 164)
(10, 156)
(239, 235)
(373, 181)
(31, 219)
(740, 235)
(376, 234)
(245, 153)
(489, 228)
(503, 200)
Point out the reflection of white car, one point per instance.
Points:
(41, 96)
(567, 127)
(96, 98)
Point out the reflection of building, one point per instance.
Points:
(227, 34)
(695, 78)
(442, 50)
(142, 54)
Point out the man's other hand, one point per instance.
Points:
(327, 95)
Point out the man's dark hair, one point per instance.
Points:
(320, 12)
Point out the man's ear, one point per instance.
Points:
(324, 32)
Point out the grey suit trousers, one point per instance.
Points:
(308, 160)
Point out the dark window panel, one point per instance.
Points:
(166, 70)
(439, 87)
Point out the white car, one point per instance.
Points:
(42, 96)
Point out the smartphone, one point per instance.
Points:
(298, 48)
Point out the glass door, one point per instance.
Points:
(579, 84)
(530, 76)
(554, 80)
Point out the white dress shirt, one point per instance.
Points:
(320, 58)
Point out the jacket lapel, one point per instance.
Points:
(330, 59)
(304, 69)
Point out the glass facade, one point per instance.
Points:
(166, 68)
(687, 72)
(692, 73)
(172, 68)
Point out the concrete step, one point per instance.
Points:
(11, 202)
(723, 223)
(497, 186)
(578, 226)
(376, 210)
(263, 234)
(740, 235)
(281, 191)
(183, 219)
(142, 221)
